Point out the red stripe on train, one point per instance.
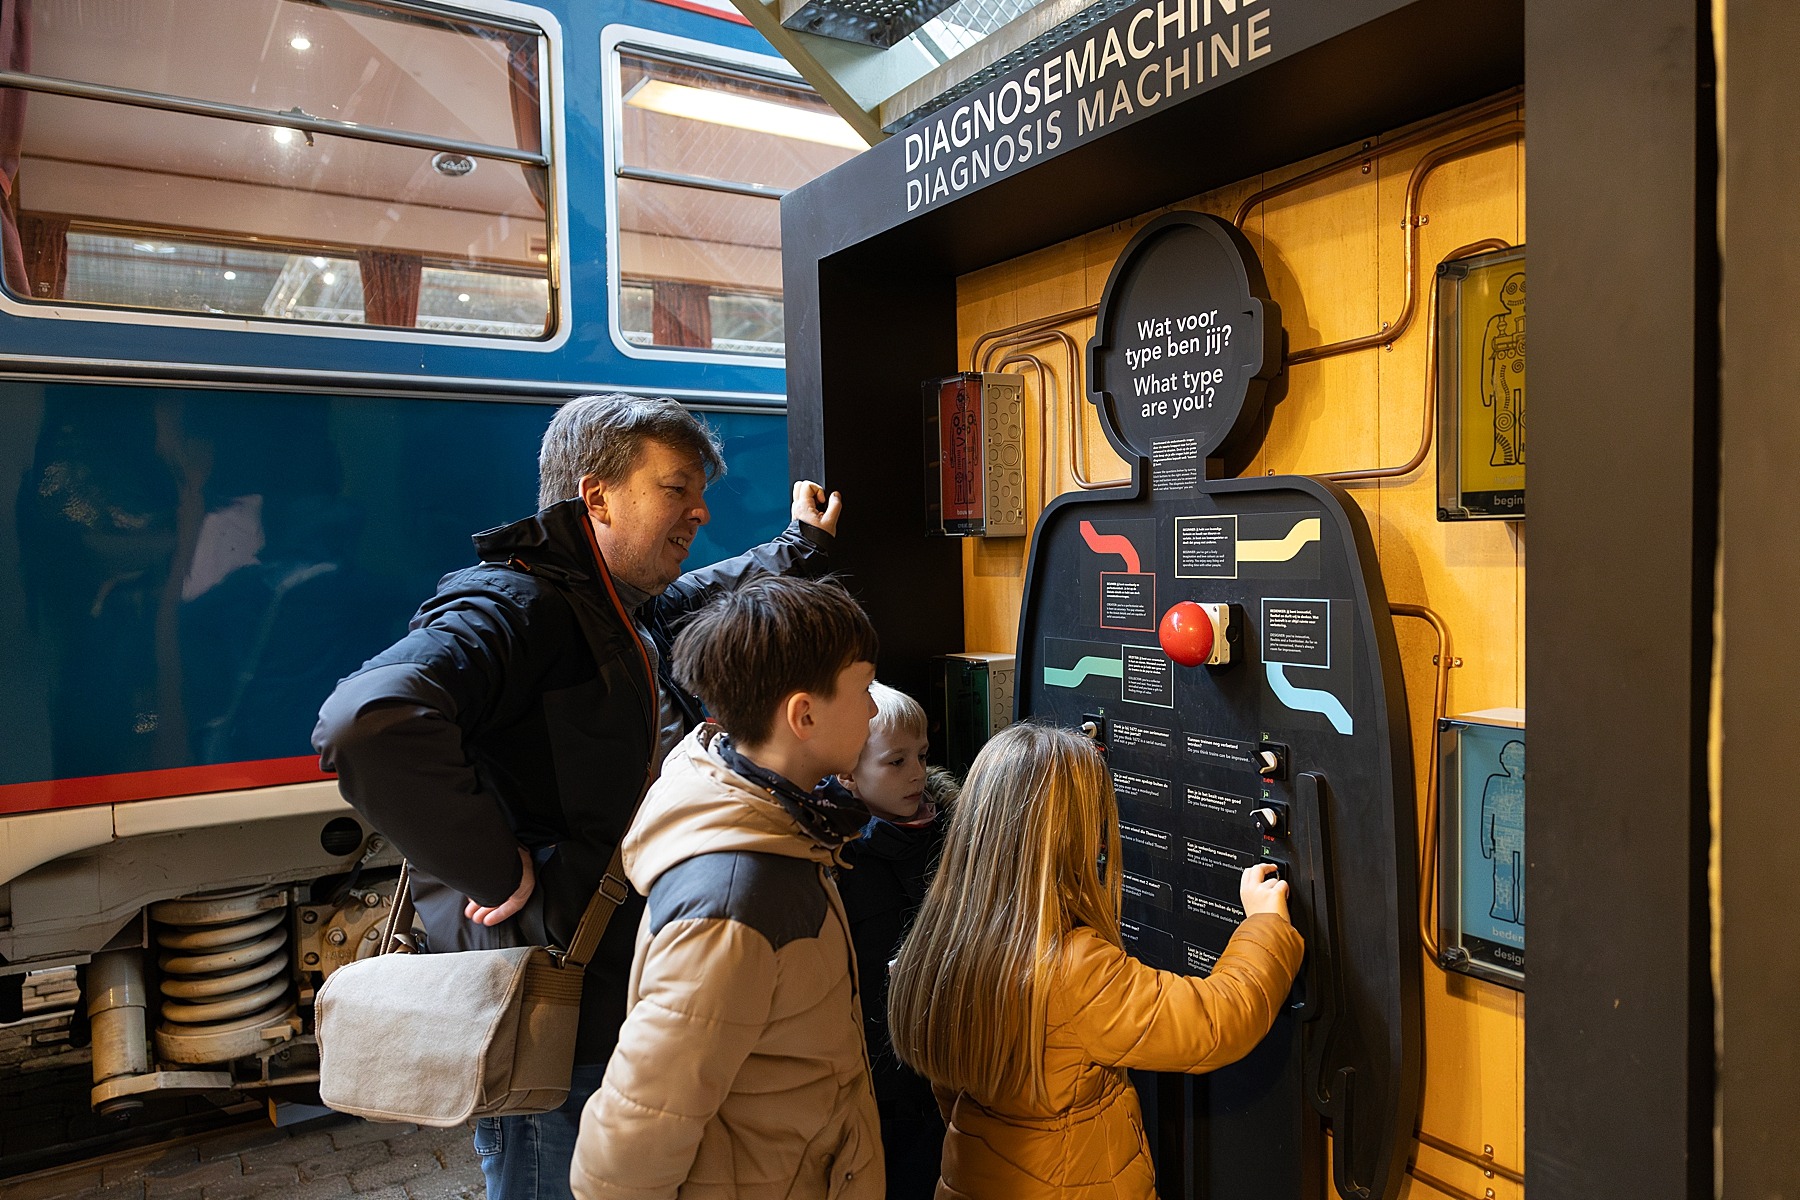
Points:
(148, 785)
(708, 10)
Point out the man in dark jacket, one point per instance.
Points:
(504, 742)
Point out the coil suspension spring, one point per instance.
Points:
(226, 975)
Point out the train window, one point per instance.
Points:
(705, 154)
(321, 161)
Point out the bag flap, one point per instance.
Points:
(403, 1037)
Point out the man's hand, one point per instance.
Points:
(482, 915)
(1262, 892)
(812, 507)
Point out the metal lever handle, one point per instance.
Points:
(1311, 896)
(1336, 1103)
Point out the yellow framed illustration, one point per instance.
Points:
(1481, 387)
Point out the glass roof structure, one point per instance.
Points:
(886, 64)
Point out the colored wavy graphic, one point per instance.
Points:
(1282, 549)
(1309, 699)
(1068, 677)
(1115, 543)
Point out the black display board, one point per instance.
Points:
(1186, 344)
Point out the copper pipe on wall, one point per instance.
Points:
(1438, 1185)
(1046, 413)
(1044, 328)
(1372, 150)
(1047, 393)
(1079, 451)
(1429, 430)
(1484, 1161)
(1038, 332)
(1411, 221)
(1035, 325)
(1440, 703)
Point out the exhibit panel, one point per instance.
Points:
(1350, 253)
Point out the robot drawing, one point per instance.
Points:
(1503, 382)
(1503, 833)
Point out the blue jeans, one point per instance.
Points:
(528, 1158)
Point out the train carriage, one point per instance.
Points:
(290, 290)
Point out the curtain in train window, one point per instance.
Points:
(399, 178)
(705, 156)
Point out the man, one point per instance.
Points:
(503, 744)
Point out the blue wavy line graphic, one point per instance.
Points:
(1309, 699)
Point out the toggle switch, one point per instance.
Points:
(1271, 760)
(1270, 821)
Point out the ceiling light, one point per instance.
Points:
(319, 262)
(231, 274)
(743, 112)
(146, 247)
(300, 42)
(284, 136)
(330, 278)
(463, 296)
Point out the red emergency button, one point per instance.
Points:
(1186, 634)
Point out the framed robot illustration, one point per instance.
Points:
(1481, 854)
(1228, 642)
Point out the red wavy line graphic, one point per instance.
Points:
(1111, 543)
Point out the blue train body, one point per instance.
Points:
(136, 448)
(223, 491)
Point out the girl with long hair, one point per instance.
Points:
(1013, 994)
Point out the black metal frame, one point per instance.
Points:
(1626, 480)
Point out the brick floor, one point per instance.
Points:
(317, 1160)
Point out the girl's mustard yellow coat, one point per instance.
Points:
(1085, 1140)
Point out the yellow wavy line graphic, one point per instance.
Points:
(1304, 531)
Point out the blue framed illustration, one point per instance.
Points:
(1481, 853)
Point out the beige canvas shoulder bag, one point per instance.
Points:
(435, 1039)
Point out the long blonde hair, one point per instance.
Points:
(969, 999)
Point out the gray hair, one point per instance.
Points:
(603, 436)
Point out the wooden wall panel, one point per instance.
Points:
(1334, 255)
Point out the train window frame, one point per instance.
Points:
(615, 42)
(556, 215)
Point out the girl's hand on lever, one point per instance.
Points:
(1262, 892)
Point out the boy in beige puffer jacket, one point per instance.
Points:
(740, 1070)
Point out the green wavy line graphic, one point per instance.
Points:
(1068, 677)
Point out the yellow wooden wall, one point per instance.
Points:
(1333, 252)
